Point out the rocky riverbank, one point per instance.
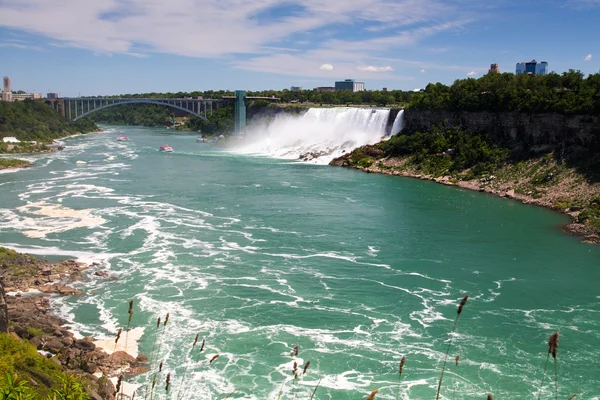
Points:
(29, 284)
(540, 181)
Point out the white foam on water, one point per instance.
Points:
(318, 136)
(55, 218)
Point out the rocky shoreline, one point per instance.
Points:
(28, 284)
(398, 166)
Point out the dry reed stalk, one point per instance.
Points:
(130, 312)
(187, 359)
(456, 359)
(372, 395)
(164, 326)
(214, 358)
(152, 357)
(117, 339)
(400, 370)
(305, 367)
(295, 351)
(552, 348)
(460, 308)
(230, 394)
(168, 382)
(572, 396)
(490, 397)
(119, 381)
(197, 359)
(316, 387)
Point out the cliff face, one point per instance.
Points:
(537, 132)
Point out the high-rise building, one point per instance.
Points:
(532, 68)
(6, 93)
(494, 69)
(295, 89)
(325, 89)
(52, 96)
(350, 84)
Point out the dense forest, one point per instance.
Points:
(134, 114)
(569, 93)
(372, 97)
(35, 121)
(219, 122)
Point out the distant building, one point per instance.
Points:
(325, 89)
(384, 89)
(6, 92)
(532, 68)
(350, 84)
(52, 95)
(494, 69)
(23, 96)
(10, 139)
(295, 89)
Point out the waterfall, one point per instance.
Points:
(318, 136)
(398, 123)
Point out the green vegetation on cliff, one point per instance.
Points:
(28, 375)
(219, 122)
(569, 93)
(13, 163)
(134, 114)
(30, 120)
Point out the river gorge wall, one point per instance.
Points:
(538, 133)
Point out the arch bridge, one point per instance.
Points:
(75, 108)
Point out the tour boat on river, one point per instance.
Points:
(166, 148)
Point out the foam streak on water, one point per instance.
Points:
(319, 135)
(258, 255)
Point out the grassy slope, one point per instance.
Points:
(35, 121)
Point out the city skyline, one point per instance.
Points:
(111, 47)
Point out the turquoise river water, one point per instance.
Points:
(258, 255)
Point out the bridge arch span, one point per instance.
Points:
(139, 101)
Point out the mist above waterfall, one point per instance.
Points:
(318, 136)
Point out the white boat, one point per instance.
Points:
(122, 138)
(166, 149)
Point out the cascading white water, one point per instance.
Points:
(318, 136)
(398, 123)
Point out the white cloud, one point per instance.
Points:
(371, 68)
(472, 73)
(227, 28)
(588, 57)
(582, 4)
(422, 71)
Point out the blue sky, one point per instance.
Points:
(130, 46)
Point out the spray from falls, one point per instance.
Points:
(318, 136)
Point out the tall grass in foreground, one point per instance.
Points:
(460, 308)
(552, 349)
(297, 370)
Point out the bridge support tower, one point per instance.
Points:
(240, 111)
